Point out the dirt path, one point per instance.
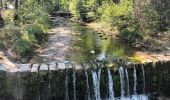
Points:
(59, 41)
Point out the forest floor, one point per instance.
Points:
(59, 41)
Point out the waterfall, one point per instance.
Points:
(49, 84)
(135, 80)
(122, 81)
(96, 84)
(74, 85)
(110, 84)
(66, 89)
(87, 87)
(38, 78)
(127, 78)
(143, 70)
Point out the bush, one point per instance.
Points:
(116, 14)
(150, 23)
(33, 14)
(24, 48)
(9, 35)
(131, 35)
(78, 9)
(37, 33)
(8, 16)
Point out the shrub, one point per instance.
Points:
(77, 7)
(37, 33)
(131, 35)
(116, 14)
(8, 16)
(9, 35)
(34, 14)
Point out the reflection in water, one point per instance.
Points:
(87, 40)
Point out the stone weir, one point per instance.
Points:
(93, 81)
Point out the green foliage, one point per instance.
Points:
(32, 13)
(77, 7)
(151, 21)
(33, 20)
(117, 14)
(9, 35)
(24, 47)
(64, 5)
(36, 33)
(131, 35)
(8, 16)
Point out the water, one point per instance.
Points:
(122, 81)
(134, 97)
(81, 86)
(127, 78)
(87, 40)
(135, 80)
(143, 72)
(66, 88)
(74, 84)
(87, 97)
(96, 84)
(110, 85)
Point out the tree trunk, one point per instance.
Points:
(6, 4)
(16, 12)
(1, 4)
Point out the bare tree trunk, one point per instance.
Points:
(39, 1)
(1, 4)
(16, 12)
(137, 7)
(6, 4)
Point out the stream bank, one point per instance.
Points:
(78, 42)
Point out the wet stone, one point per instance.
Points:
(35, 68)
(53, 66)
(43, 67)
(13, 70)
(24, 67)
(61, 66)
(2, 67)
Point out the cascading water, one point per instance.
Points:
(110, 84)
(122, 81)
(49, 83)
(127, 79)
(66, 88)
(87, 87)
(74, 84)
(135, 80)
(143, 70)
(96, 84)
(38, 78)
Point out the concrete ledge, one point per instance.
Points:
(53, 66)
(37, 67)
